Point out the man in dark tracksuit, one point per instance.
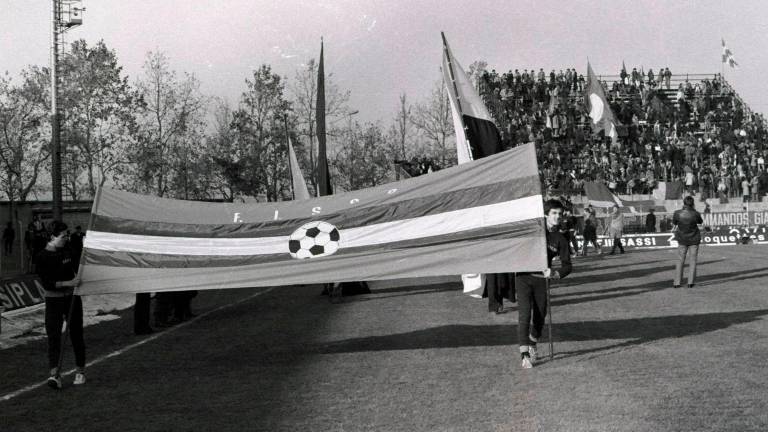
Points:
(532, 289)
(56, 271)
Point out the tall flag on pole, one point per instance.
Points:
(476, 137)
(728, 56)
(476, 134)
(323, 175)
(597, 104)
(485, 216)
(300, 191)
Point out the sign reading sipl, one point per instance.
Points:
(21, 291)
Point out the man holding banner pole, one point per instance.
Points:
(533, 288)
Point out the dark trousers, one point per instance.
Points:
(531, 303)
(574, 242)
(8, 247)
(617, 243)
(141, 313)
(56, 311)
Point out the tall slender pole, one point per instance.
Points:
(549, 316)
(55, 121)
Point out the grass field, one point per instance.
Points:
(631, 354)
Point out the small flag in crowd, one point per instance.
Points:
(668, 191)
(599, 195)
(597, 104)
(728, 56)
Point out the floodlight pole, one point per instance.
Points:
(55, 120)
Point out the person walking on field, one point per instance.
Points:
(616, 229)
(686, 223)
(532, 287)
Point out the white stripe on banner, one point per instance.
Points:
(407, 229)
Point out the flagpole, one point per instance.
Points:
(455, 90)
(549, 316)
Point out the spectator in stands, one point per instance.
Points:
(667, 77)
(688, 236)
(744, 190)
(55, 270)
(650, 222)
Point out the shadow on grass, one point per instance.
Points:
(628, 274)
(637, 330)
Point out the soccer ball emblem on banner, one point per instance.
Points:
(313, 240)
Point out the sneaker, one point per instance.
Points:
(54, 382)
(691, 285)
(675, 286)
(79, 379)
(533, 353)
(527, 364)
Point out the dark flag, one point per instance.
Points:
(476, 137)
(323, 175)
(476, 134)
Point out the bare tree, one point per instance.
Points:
(99, 106)
(400, 130)
(25, 133)
(433, 119)
(171, 113)
(304, 98)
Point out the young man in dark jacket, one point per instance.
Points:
(54, 266)
(532, 287)
(688, 236)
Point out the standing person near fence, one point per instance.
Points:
(54, 266)
(686, 223)
(616, 229)
(531, 288)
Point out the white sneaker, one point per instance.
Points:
(527, 364)
(54, 382)
(533, 353)
(79, 379)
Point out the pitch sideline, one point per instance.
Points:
(118, 352)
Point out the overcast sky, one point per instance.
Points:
(379, 49)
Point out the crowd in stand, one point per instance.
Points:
(699, 132)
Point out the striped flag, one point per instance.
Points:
(728, 56)
(599, 195)
(300, 191)
(597, 105)
(485, 216)
(476, 134)
(668, 191)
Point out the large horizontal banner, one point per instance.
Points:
(725, 219)
(21, 291)
(719, 236)
(481, 217)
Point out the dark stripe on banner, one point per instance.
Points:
(483, 136)
(351, 218)
(527, 228)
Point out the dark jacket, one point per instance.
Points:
(687, 220)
